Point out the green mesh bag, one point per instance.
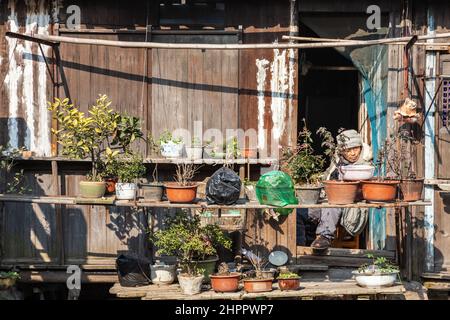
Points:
(276, 188)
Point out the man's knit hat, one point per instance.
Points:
(349, 138)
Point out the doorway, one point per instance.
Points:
(329, 96)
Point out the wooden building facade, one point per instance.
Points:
(268, 90)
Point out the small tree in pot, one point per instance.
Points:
(129, 167)
(194, 245)
(380, 273)
(183, 190)
(91, 136)
(304, 167)
(382, 188)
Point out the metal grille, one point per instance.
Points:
(446, 102)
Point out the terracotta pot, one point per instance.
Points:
(225, 283)
(341, 192)
(258, 285)
(411, 189)
(380, 190)
(111, 184)
(249, 153)
(180, 194)
(289, 284)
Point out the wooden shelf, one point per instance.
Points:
(308, 289)
(241, 204)
(262, 161)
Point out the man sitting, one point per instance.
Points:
(357, 153)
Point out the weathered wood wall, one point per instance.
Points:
(167, 89)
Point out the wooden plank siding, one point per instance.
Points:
(167, 89)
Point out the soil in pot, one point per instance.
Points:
(308, 194)
(152, 192)
(91, 189)
(258, 285)
(341, 192)
(289, 284)
(111, 185)
(380, 191)
(411, 189)
(163, 274)
(190, 285)
(225, 282)
(180, 194)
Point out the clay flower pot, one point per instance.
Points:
(380, 190)
(92, 189)
(341, 192)
(249, 153)
(411, 189)
(225, 283)
(152, 192)
(289, 284)
(111, 185)
(258, 285)
(180, 194)
(308, 194)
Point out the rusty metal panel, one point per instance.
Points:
(27, 85)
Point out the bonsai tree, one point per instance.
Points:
(103, 131)
(187, 239)
(301, 163)
(129, 167)
(334, 148)
(185, 172)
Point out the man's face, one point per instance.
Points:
(352, 154)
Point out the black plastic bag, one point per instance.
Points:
(133, 271)
(224, 187)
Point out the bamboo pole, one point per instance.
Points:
(55, 40)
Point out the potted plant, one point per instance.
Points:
(8, 279)
(129, 168)
(381, 188)
(194, 245)
(381, 273)
(153, 191)
(288, 281)
(91, 137)
(224, 280)
(14, 181)
(402, 162)
(259, 282)
(195, 150)
(337, 191)
(304, 167)
(171, 147)
(250, 190)
(183, 190)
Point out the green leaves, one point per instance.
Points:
(187, 239)
(82, 136)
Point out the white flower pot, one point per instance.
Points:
(376, 280)
(194, 153)
(172, 150)
(190, 285)
(357, 172)
(126, 191)
(163, 274)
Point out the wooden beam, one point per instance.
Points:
(61, 277)
(52, 40)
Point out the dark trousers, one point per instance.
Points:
(325, 219)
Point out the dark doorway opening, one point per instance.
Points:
(329, 97)
(328, 90)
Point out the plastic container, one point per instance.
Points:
(357, 172)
